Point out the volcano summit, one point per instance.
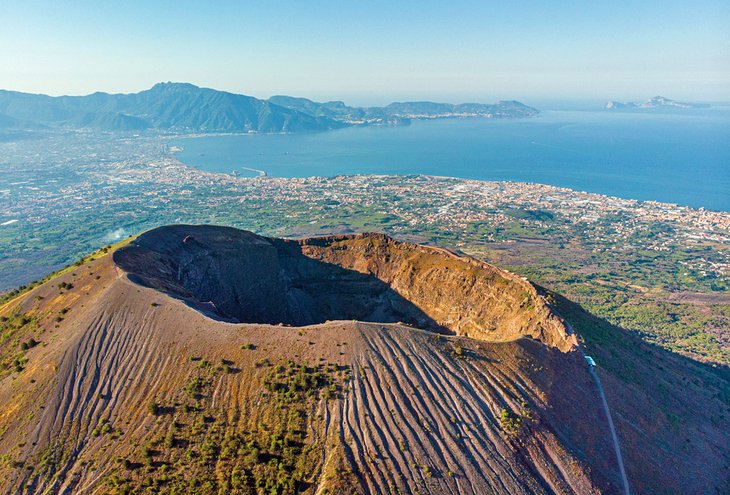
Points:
(207, 359)
(241, 277)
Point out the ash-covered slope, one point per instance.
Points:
(121, 376)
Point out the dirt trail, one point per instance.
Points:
(614, 437)
(609, 419)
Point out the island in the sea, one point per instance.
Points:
(657, 102)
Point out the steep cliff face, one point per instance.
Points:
(464, 295)
(242, 277)
(126, 375)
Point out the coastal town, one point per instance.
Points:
(64, 195)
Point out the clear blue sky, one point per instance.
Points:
(373, 51)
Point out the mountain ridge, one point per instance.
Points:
(184, 107)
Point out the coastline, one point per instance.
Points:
(580, 197)
(614, 161)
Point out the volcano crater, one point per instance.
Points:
(240, 277)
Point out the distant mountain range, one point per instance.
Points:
(651, 103)
(182, 107)
(397, 113)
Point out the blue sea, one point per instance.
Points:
(681, 157)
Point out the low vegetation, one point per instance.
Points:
(16, 338)
(515, 424)
(203, 450)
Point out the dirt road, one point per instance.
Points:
(614, 437)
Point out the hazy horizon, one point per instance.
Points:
(364, 100)
(374, 53)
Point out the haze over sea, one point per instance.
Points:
(681, 157)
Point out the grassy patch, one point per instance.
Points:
(205, 450)
(16, 338)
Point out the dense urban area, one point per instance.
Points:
(657, 269)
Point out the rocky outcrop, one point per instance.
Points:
(464, 295)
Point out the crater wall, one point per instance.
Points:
(238, 276)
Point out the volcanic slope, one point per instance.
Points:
(204, 359)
